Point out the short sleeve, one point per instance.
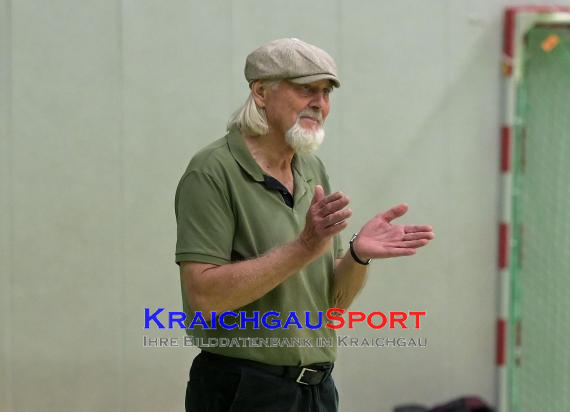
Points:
(205, 221)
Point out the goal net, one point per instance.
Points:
(538, 357)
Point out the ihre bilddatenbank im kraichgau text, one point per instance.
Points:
(272, 320)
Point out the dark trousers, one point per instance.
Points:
(221, 384)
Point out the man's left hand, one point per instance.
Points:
(380, 238)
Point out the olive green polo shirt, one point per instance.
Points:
(225, 213)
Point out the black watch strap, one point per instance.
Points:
(353, 253)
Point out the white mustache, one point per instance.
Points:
(318, 116)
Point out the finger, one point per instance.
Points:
(334, 206)
(331, 198)
(337, 217)
(417, 228)
(395, 212)
(409, 244)
(334, 229)
(318, 195)
(419, 235)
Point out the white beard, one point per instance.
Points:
(304, 141)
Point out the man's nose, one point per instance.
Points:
(318, 101)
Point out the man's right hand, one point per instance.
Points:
(326, 217)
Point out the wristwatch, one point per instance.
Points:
(353, 253)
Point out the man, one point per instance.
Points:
(258, 231)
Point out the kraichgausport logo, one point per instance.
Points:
(273, 320)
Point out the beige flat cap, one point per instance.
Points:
(290, 59)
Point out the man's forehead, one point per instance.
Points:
(321, 84)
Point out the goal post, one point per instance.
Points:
(533, 360)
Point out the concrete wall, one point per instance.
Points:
(102, 103)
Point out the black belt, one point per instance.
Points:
(312, 374)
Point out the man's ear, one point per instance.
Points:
(259, 91)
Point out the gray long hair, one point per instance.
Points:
(250, 118)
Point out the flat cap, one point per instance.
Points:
(290, 59)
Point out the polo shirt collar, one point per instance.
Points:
(241, 154)
(299, 166)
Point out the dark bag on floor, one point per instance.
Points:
(465, 404)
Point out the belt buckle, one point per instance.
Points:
(300, 377)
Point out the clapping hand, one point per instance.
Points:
(380, 238)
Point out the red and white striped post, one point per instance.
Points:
(518, 20)
(505, 217)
